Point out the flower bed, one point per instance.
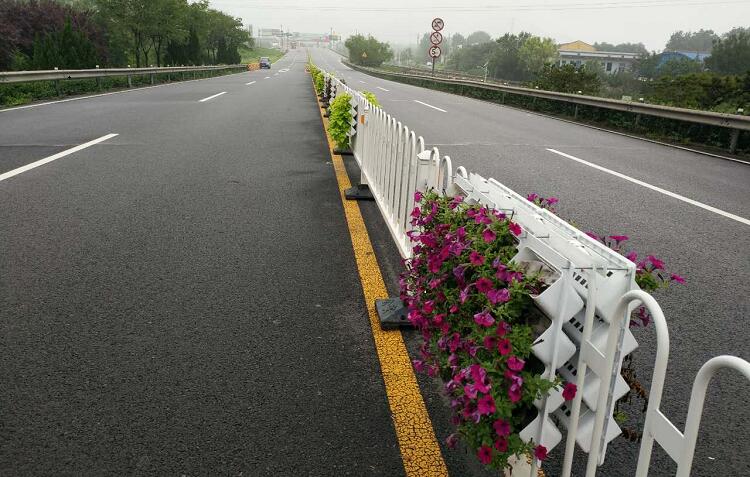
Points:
(474, 299)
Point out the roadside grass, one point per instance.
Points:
(17, 94)
(253, 55)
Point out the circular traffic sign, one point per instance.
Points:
(436, 38)
(435, 51)
(438, 24)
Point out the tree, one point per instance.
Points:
(731, 54)
(478, 37)
(679, 67)
(700, 41)
(66, 49)
(568, 79)
(425, 44)
(536, 52)
(367, 51)
(622, 47)
(505, 62)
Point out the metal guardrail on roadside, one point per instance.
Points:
(53, 75)
(589, 334)
(735, 122)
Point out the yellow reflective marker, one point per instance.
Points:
(419, 447)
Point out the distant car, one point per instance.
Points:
(265, 62)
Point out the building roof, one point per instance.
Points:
(577, 45)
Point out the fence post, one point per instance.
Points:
(153, 79)
(734, 140)
(130, 81)
(57, 87)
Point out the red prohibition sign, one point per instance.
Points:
(436, 38)
(438, 24)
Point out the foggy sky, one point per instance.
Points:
(400, 21)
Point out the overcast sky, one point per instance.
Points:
(400, 21)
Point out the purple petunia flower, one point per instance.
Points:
(484, 319)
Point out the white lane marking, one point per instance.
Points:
(382, 89)
(655, 188)
(267, 77)
(248, 84)
(276, 74)
(430, 106)
(363, 82)
(212, 97)
(54, 157)
(284, 70)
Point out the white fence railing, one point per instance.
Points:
(589, 306)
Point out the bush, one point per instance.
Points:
(371, 98)
(339, 121)
(568, 79)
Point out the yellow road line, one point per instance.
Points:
(420, 450)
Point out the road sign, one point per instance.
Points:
(435, 51)
(436, 38)
(438, 24)
(364, 54)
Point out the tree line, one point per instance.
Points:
(44, 34)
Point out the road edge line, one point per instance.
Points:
(419, 448)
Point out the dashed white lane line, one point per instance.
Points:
(248, 84)
(276, 74)
(267, 77)
(363, 82)
(54, 157)
(382, 89)
(654, 188)
(212, 97)
(430, 106)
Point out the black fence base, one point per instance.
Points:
(359, 192)
(340, 152)
(393, 314)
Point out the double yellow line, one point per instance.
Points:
(420, 450)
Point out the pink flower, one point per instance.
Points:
(569, 391)
(594, 236)
(619, 238)
(552, 200)
(514, 392)
(485, 455)
(490, 342)
(515, 363)
(463, 295)
(499, 296)
(484, 319)
(501, 445)
(475, 258)
(486, 405)
(417, 196)
(470, 391)
(453, 308)
(484, 285)
(540, 452)
(479, 375)
(418, 365)
(489, 236)
(632, 256)
(677, 278)
(532, 197)
(514, 228)
(503, 328)
(504, 347)
(658, 264)
(502, 428)
(451, 441)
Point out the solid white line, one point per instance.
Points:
(248, 84)
(657, 189)
(54, 157)
(363, 82)
(383, 89)
(212, 97)
(430, 106)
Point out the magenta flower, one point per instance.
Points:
(502, 428)
(486, 405)
(485, 455)
(499, 296)
(417, 196)
(489, 236)
(470, 391)
(514, 392)
(552, 200)
(540, 452)
(451, 441)
(514, 228)
(418, 365)
(677, 278)
(490, 342)
(463, 295)
(619, 238)
(479, 375)
(532, 197)
(453, 308)
(484, 319)
(515, 363)
(501, 445)
(632, 256)
(594, 236)
(504, 347)
(569, 391)
(503, 328)
(484, 285)
(475, 258)
(658, 264)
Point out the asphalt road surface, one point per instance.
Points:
(613, 184)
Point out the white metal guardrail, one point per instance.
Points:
(52, 75)
(589, 306)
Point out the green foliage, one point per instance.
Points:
(622, 47)
(371, 98)
(252, 55)
(679, 66)
(701, 41)
(66, 49)
(536, 52)
(707, 91)
(339, 121)
(367, 51)
(731, 54)
(568, 79)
